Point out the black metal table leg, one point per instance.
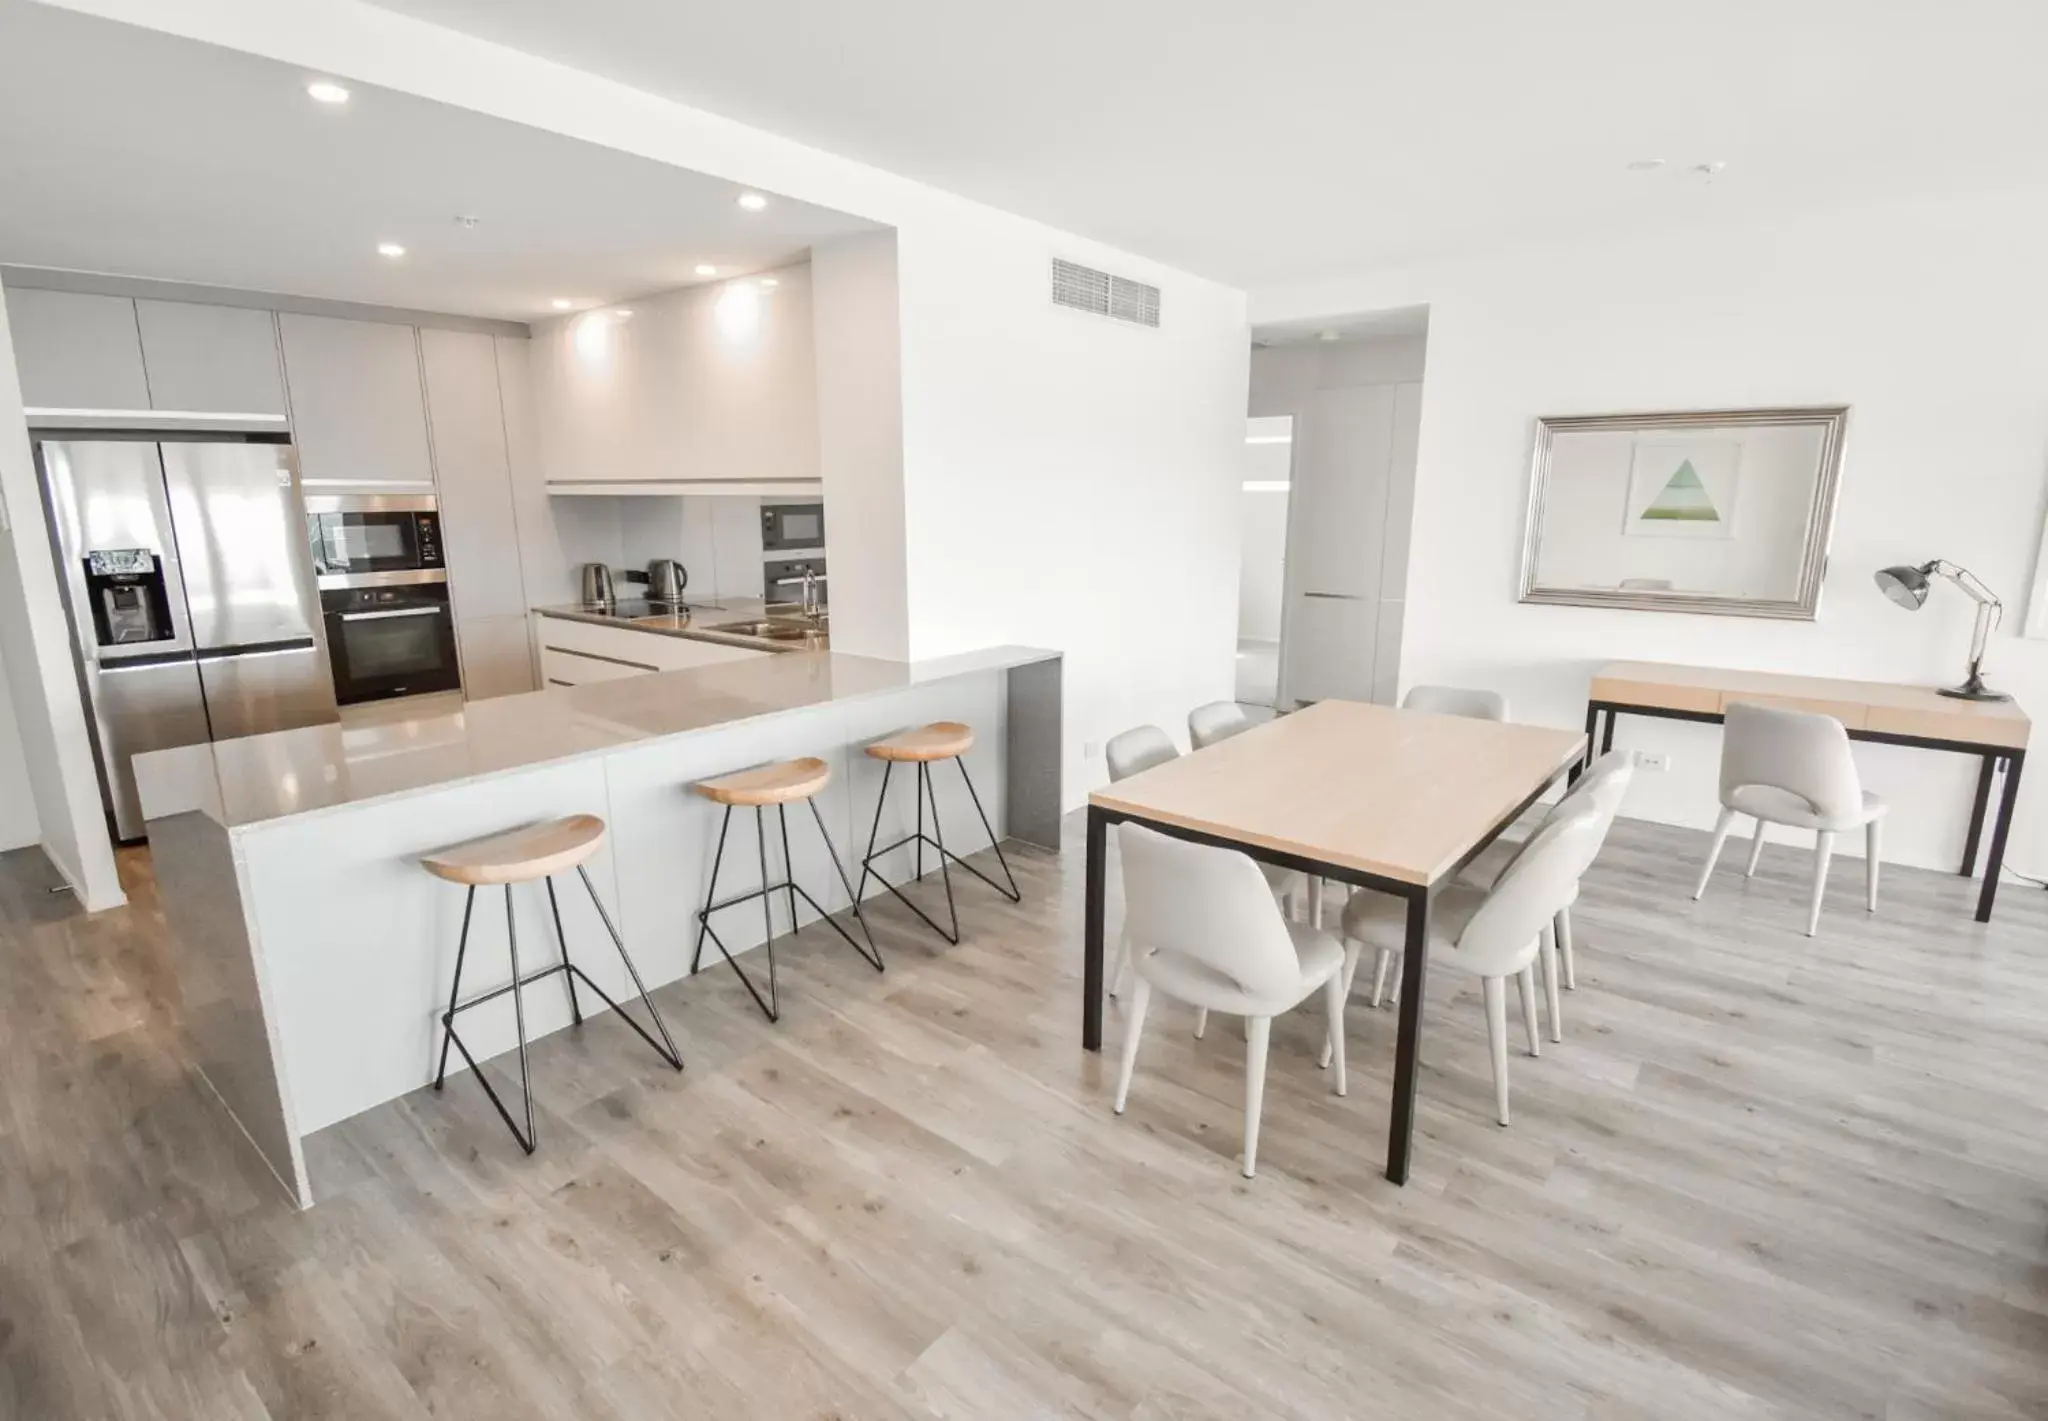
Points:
(1996, 863)
(1408, 1046)
(1606, 736)
(1985, 774)
(1091, 934)
(1592, 733)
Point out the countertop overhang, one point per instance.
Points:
(262, 779)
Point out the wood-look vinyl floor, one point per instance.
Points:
(1763, 1176)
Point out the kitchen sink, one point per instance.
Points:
(771, 630)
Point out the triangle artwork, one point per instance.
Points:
(1684, 499)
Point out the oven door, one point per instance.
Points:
(391, 641)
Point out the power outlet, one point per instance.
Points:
(1092, 750)
(1654, 764)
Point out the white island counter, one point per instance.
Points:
(314, 955)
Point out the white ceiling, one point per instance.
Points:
(131, 152)
(1265, 143)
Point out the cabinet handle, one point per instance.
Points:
(394, 612)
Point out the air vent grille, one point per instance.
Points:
(1083, 288)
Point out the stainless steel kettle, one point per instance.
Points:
(666, 579)
(597, 585)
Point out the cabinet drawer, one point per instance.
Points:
(572, 668)
(616, 643)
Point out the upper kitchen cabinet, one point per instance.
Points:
(77, 351)
(359, 413)
(711, 383)
(479, 531)
(217, 359)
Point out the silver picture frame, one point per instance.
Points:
(1830, 420)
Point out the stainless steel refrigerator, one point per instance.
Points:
(189, 584)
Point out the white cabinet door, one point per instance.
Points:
(497, 657)
(359, 414)
(1343, 447)
(1330, 648)
(77, 351)
(219, 359)
(479, 532)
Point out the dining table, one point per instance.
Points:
(1384, 800)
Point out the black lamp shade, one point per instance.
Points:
(1906, 586)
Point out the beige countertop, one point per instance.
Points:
(704, 621)
(263, 778)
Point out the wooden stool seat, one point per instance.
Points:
(941, 740)
(520, 855)
(785, 783)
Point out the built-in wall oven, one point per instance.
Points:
(384, 596)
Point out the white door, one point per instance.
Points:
(1262, 557)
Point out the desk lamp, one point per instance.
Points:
(1908, 586)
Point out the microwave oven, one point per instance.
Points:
(367, 540)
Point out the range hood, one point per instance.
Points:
(794, 489)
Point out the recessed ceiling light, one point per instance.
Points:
(704, 269)
(753, 201)
(622, 313)
(467, 222)
(1707, 170)
(561, 303)
(326, 91)
(770, 282)
(1646, 165)
(1329, 335)
(390, 249)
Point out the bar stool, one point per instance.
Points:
(778, 786)
(941, 740)
(520, 856)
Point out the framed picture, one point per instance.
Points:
(1682, 490)
(1717, 511)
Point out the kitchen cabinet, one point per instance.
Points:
(76, 351)
(573, 653)
(358, 409)
(497, 657)
(479, 531)
(710, 383)
(216, 359)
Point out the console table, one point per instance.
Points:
(1994, 731)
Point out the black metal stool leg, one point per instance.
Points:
(568, 976)
(873, 954)
(530, 1139)
(788, 865)
(867, 859)
(924, 779)
(1014, 895)
(770, 1005)
(670, 1054)
(455, 988)
(711, 892)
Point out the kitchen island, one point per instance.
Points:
(577, 645)
(313, 955)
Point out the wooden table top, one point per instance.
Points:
(1879, 706)
(1400, 794)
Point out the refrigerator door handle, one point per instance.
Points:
(256, 648)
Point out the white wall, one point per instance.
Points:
(19, 826)
(35, 645)
(1924, 318)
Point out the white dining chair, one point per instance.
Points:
(1218, 720)
(1203, 929)
(1133, 752)
(1457, 700)
(1496, 934)
(1604, 785)
(1794, 768)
